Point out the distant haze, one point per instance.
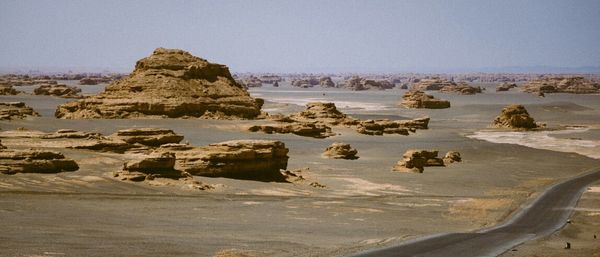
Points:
(306, 36)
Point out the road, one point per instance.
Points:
(545, 215)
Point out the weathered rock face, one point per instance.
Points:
(154, 166)
(245, 159)
(324, 112)
(418, 99)
(380, 127)
(461, 88)
(572, 85)
(416, 160)
(305, 82)
(15, 110)
(514, 117)
(340, 151)
(169, 83)
(58, 90)
(8, 90)
(432, 84)
(34, 161)
(505, 87)
(452, 157)
(358, 84)
(148, 136)
(326, 82)
(70, 133)
(304, 129)
(251, 81)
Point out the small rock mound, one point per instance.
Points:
(324, 112)
(418, 99)
(58, 90)
(148, 136)
(514, 117)
(326, 82)
(340, 151)
(380, 127)
(15, 110)
(8, 90)
(452, 157)
(416, 160)
(169, 83)
(304, 129)
(505, 87)
(432, 84)
(34, 161)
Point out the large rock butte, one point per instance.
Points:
(169, 83)
(419, 99)
(514, 116)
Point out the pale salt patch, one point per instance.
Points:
(251, 203)
(358, 186)
(339, 104)
(594, 189)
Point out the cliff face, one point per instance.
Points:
(169, 83)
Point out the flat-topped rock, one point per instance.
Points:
(514, 116)
(461, 88)
(15, 110)
(59, 90)
(8, 90)
(358, 84)
(571, 85)
(169, 83)
(153, 166)
(416, 160)
(505, 87)
(419, 99)
(340, 151)
(305, 82)
(147, 136)
(432, 84)
(320, 111)
(305, 129)
(380, 127)
(245, 159)
(34, 161)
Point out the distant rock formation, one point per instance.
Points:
(169, 83)
(419, 99)
(461, 88)
(514, 116)
(416, 160)
(15, 110)
(251, 81)
(244, 159)
(59, 90)
(8, 90)
(571, 85)
(340, 151)
(358, 84)
(505, 87)
(432, 84)
(34, 161)
(305, 82)
(326, 82)
(147, 136)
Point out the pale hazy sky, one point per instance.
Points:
(298, 36)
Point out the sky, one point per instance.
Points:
(304, 36)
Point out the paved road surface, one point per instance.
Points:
(545, 215)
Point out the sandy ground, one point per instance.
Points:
(364, 204)
(580, 233)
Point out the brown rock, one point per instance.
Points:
(571, 85)
(380, 127)
(326, 82)
(34, 161)
(418, 99)
(416, 160)
(15, 110)
(432, 84)
(514, 117)
(58, 90)
(151, 167)
(304, 129)
(148, 136)
(505, 86)
(305, 82)
(452, 157)
(169, 83)
(340, 151)
(8, 90)
(358, 84)
(461, 88)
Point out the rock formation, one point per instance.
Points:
(514, 116)
(305, 82)
(416, 160)
(505, 87)
(572, 85)
(34, 161)
(380, 127)
(418, 99)
(15, 110)
(461, 88)
(304, 129)
(340, 151)
(58, 90)
(321, 112)
(154, 166)
(452, 157)
(244, 159)
(169, 83)
(326, 82)
(8, 90)
(148, 136)
(432, 84)
(358, 84)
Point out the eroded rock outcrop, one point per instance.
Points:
(358, 84)
(432, 84)
(15, 110)
(572, 85)
(8, 90)
(505, 87)
(514, 116)
(416, 160)
(340, 151)
(244, 159)
(304, 129)
(147, 136)
(305, 82)
(154, 166)
(461, 88)
(419, 99)
(169, 83)
(59, 90)
(452, 157)
(34, 161)
(326, 82)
